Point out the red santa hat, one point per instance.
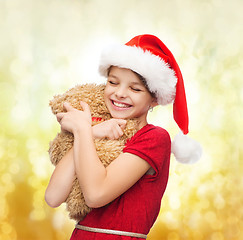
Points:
(148, 56)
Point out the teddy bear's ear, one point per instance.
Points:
(56, 103)
(92, 94)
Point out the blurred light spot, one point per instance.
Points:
(4, 208)
(217, 236)
(6, 237)
(6, 228)
(17, 67)
(194, 220)
(6, 90)
(173, 236)
(232, 220)
(194, 93)
(212, 219)
(234, 231)
(6, 178)
(14, 168)
(204, 203)
(58, 220)
(39, 165)
(170, 220)
(219, 202)
(37, 215)
(12, 153)
(20, 112)
(1, 152)
(38, 198)
(217, 116)
(241, 95)
(174, 201)
(12, 143)
(11, 187)
(32, 144)
(33, 181)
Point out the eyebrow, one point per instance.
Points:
(113, 76)
(137, 83)
(132, 83)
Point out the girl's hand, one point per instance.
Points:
(74, 120)
(111, 129)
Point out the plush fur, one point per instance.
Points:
(185, 149)
(107, 150)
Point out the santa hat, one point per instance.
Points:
(148, 56)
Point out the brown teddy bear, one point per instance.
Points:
(107, 149)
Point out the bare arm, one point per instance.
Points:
(101, 185)
(61, 181)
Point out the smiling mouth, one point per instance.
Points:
(120, 105)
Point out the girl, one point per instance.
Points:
(125, 196)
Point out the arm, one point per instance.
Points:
(112, 129)
(63, 175)
(100, 185)
(61, 181)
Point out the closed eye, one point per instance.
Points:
(136, 89)
(112, 82)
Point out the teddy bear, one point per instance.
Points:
(107, 150)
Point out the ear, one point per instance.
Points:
(154, 102)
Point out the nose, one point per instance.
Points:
(121, 92)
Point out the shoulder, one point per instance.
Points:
(152, 132)
(151, 135)
(152, 144)
(157, 130)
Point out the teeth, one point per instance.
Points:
(120, 105)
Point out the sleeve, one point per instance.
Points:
(154, 146)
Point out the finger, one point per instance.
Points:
(111, 136)
(63, 129)
(119, 131)
(67, 106)
(85, 106)
(115, 134)
(121, 122)
(59, 116)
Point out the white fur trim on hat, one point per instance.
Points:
(185, 149)
(159, 76)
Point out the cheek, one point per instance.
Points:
(147, 103)
(144, 99)
(106, 95)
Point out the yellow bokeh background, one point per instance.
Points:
(49, 46)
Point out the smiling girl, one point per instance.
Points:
(126, 96)
(126, 195)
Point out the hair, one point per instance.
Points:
(141, 78)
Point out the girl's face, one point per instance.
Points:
(126, 96)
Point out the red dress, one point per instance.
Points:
(137, 209)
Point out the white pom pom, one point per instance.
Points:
(185, 149)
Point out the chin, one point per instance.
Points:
(120, 115)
